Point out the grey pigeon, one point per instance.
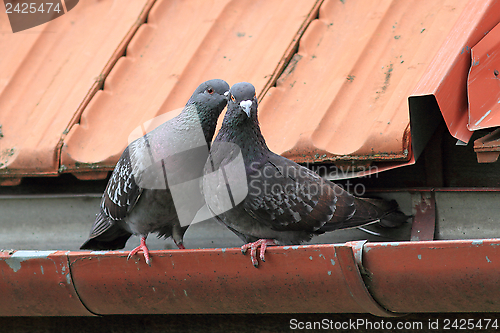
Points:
(267, 199)
(155, 186)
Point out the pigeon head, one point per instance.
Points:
(242, 101)
(241, 125)
(215, 87)
(209, 99)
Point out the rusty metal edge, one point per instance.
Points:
(486, 148)
(349, 256)
(56, 307)
(351, 269)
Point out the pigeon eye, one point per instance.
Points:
(210, 90)
(233, 99)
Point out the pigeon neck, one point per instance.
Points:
(247, 136)
(197, 116)
(208, 127)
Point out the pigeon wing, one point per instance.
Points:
(289, 197)
(122, 192)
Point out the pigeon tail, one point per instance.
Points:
(389, 214)
(368, 211)
(106, 235)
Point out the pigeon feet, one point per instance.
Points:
(180, 245)
(144, 249)
(263, 243)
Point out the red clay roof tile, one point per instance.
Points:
(342, 96)
(47, 72)
(182, 44)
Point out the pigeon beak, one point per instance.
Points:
(246, 106)
(226, 94)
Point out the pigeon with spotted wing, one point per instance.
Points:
(275, 201)
(155, 186)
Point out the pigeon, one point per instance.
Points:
(267, 199)
(155, 186)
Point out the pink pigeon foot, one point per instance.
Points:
(180, 245)
(144, 249)
(263, 243)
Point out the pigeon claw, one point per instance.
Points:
(263, 243)
(180, 245)
(144, 249)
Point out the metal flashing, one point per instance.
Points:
(487, 148)
(446, 76)
(435, 276)
(483, 84)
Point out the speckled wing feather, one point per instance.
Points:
(295, 198)
(122, 191)
(289, 197)
(119, 197)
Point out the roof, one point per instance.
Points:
(333, 76)
(203, 42)
(48, 76)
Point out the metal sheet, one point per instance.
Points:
(483, 83)
(446, 76)
(435, 276)
(37, 283)
(342, 96)
(302, 279)
(63, 222)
